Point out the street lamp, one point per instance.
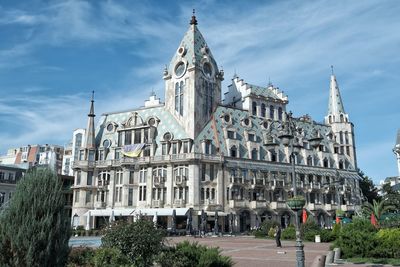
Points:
(288, 135)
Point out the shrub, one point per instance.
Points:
(212, 258)
(289, 233)
(310, 227)
(140, 241)
(265, 228)
(109, 257)
(388, 241)
(336, 230)
(80, 256)
(327, 235)
(357, 239)
(35, 227)
(192, 254)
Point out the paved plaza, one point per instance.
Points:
(246, 250)
(252, 252)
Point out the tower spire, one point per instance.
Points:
(336, 110)
(90, 131)
(193, 21)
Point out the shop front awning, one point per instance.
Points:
(212, 213)
(136, 212)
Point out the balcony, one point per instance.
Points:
(314, 206)
(180, 180)
(157, 203)
(278, 205)
(238, 203)
(100, 204)
(179, 203)
(236, 180)
(277, 184)
(330, 206)
(158, 181)
(347, 207)
(258, 204)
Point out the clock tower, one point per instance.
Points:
(192, 82)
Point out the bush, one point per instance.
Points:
(140, 241)
(80, 256)
(388, 241)
(109, 257)
(192, 254)
(265, 229)
(289, 233)
(310, 226)
(35, 227)
(357, 239)
(327, 235)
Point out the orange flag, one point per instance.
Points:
(373, 220)
(304, 216)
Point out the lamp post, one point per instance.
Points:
(288, 135)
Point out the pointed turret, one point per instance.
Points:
(90, 132)
(396, 150)
(192, 81)
(336, 111)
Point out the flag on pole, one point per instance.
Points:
(304, 215)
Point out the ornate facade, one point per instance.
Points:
(198, 152)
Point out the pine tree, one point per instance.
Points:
(35, 228)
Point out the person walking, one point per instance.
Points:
(277, 235)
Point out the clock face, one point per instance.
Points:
(180, 69)
(207, 69)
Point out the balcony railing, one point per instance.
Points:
(278, 205)
(238, 203)
(157, 203)
(256, 204)
(180, 180)
(179, 202)
(158, 181)
(100, 204)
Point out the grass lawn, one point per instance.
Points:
(394, 262)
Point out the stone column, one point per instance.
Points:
(169, 184)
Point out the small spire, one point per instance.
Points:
(91, 111)
(93, 95)
(193, 21)
(269, 81)
(332, 70)
(152, 92)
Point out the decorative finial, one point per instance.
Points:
(92, 96)
(194, 20)
(152, 92)
(332, 70)
(269, 81)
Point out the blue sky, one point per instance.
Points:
(53, 54)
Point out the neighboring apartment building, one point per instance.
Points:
(201, 153)
(35, 155)
(9, 176)
(71, 151)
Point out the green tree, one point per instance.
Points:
(368, 188)
(391, 196)
(378, 208)
(140, 241)
(35, 228)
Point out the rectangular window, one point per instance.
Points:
(128, 137)
(76, 196)
(164, 149)
(81, 154)
(89, 178)
(117, 154)
(174, 148)
(252, 137)
(101, 154)
(203, 172)
(142, 175)
(120, 138)
(207, 145)
(88, 196)
(348, 150)
(78, 177)
(231, 135)
(211, 172)
(138, 137)
(146, 136)
(130, 196)
(131, 177)
(11, 176)
(185, 147)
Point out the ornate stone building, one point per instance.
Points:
(200, 153)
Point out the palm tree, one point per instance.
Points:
(378, 208)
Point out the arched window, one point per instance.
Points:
(341, 118)
(177, 97)
(271, 112)
(263, 110)
(326, 163)
(254, 107)
(208, 98)
(233, 151)
(179, 91)
(273, 156)
(330, 119)
(254, 154)
(280, 113)
(341, 137)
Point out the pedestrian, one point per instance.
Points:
(277, 235)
